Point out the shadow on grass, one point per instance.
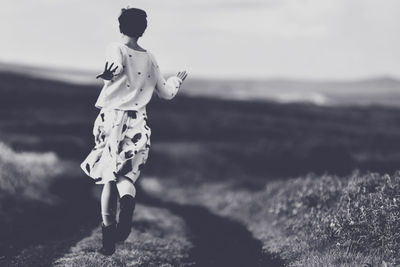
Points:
(39, 233)
(218, 241)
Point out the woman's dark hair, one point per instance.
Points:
(132, 22)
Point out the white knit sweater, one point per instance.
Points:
(137, 76)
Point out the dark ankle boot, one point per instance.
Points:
(108, 240)
(124, 226)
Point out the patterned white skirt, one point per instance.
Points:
(122, 142)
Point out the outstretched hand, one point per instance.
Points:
(182, 75)
(108, 72)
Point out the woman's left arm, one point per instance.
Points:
(166, 89)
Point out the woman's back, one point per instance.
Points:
(135, 79)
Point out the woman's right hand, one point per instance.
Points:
(108, 72)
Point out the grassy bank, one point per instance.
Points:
(309, 221)
(351, 221)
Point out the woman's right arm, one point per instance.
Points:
(113, 66)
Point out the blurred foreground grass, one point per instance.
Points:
(27, 174)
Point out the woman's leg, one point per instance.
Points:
(127, 194)
(109, 201)
(125, 187)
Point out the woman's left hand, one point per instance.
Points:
(182, 75)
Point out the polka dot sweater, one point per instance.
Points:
(135, 80)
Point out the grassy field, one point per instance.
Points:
(280, 177)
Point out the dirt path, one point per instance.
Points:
(164, 233)
(217, 241)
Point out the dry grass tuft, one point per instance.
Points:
(27, 174)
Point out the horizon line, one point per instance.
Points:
(37, 70)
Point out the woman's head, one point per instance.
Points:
(132, 22)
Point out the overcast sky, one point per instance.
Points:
(319, 39)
